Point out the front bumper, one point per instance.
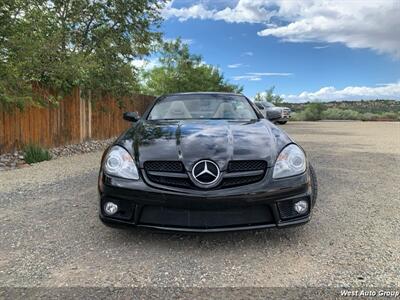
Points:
(259, 205)
(284, 118)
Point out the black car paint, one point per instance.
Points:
(189, 141)
(192, 140)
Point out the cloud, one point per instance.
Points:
(256, 76)
(269, 74)
(357, 24)
(248, 53)
(188, 41)
(197, 11)
(371, 24)
(330, 93)
(247, 77)
(146, 64)
(321, 47)
(249, 11)
(234, 66)
(184, 41)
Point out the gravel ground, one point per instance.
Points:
(10, 161)
(51, 235)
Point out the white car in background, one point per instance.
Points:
(265, 106)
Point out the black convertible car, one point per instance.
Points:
(205, 162)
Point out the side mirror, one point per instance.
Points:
(131, 116)
(273, 115)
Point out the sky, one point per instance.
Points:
(309, 50)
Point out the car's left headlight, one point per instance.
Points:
(291, 161)
(119, 162)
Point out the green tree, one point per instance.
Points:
(313, 111)
(181, 71)
(65, 43)
(259, 97)
(269, 96)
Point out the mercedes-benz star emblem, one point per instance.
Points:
(206, 172)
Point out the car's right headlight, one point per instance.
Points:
(119, 162)
(291, 161)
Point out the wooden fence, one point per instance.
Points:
(73, 120)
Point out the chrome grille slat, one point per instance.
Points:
(164, 166)
(172, 173)
(246, 165)
(168, 174)
(244, 174)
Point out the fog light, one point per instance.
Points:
(110, 208)
(301, 206)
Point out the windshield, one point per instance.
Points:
(268, 104)
(202, 106)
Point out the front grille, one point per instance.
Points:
(172, 173)
(164, 166)
(246, 165)
(164, 173)
(237, 181)
(171, 181)
(240, 166)
(206, 219)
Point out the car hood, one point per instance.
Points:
(192, 140)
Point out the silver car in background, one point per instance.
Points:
(265, 107)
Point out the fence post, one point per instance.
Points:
(89, 115)
(82, 115)
(85, 111)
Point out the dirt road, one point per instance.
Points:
(51, 235)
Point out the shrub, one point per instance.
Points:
(34, 153)
(341, 114)
(316, 111)
(384, 116)
(297, 116)
(312, 112)
(390, 116)
(369, 117)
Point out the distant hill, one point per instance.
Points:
(362, 106)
